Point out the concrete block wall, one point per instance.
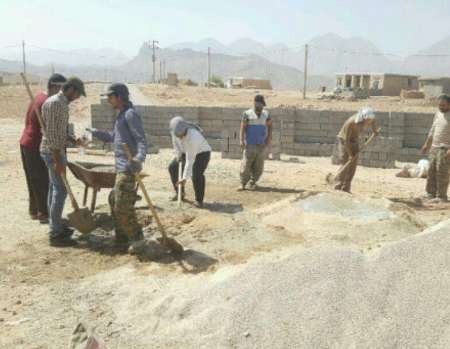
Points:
(300, 132)
(381, 153)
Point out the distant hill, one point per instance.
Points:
(78, 57)
(189, 64)
(433, 60)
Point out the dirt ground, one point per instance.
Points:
(202, 96)
(46, 291)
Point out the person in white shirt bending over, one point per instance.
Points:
(193, 151)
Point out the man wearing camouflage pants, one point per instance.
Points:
(255, 134)
(128, 129)
(438, 147)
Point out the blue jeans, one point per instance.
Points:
(56, 195)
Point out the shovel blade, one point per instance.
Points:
(82, 220)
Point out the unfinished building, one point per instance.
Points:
(433, 87)
(377, 84)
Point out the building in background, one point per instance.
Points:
(377, 84)
(433, 87)
(254, 83)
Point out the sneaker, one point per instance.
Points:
(198, 204)
(252, 186)
(439, 200)
(429, 197)
(62, 241)
(43, 219)
(68, 231)
(175, 198)
(137, 243)
(241, 187)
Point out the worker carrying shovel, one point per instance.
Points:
(347, 146)
(128, 130)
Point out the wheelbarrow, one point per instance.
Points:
(95, 176)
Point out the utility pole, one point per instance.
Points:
(160, 71)
(154, 47)
(305, 72)
(23, 58)
(209, 67)
(164, 70)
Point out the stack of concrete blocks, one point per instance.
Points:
(231, 148)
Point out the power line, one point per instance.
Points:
(9, 46)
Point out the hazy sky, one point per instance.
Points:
(398, 26)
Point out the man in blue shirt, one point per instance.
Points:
(255, 134)
(127, 129)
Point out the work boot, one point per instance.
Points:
(121, 239)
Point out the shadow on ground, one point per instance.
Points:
(279, 190)
(102, 241)
(420, 205)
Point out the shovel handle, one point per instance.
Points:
(180, 176)
(35, 109)
(144, 191)
(355, 158)
(69, 191)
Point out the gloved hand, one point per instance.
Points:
(134, 166)
(91, 130)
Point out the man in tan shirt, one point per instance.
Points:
(438, 147)
(347, 146)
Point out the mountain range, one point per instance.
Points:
(283, 65)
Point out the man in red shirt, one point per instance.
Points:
(36, 172)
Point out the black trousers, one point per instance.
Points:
(198, 173)
(36, 174)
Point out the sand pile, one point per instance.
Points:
(342, 218)
(300, 298)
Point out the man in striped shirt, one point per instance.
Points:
(55, 115)
(438, 147)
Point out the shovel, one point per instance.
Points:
(330, 179)
(80, 219)
(170, 243)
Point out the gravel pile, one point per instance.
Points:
(314, 298)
